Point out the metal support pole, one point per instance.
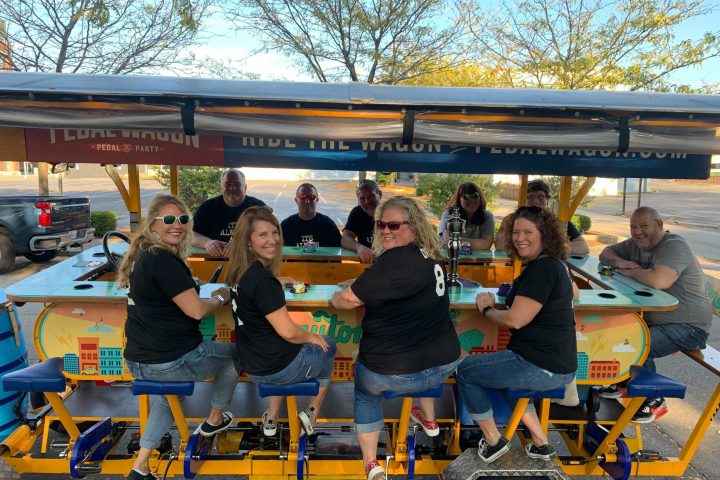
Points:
(624, 194)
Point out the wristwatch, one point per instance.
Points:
(485, 310)
(221, 298)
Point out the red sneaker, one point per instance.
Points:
(374, 471)
(430, 426)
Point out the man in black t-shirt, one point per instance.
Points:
(538, 195)
(308, 221)
(214, 220)
(358, 232)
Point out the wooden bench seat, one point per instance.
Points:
(707, 357)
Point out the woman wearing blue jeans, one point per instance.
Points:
(542, 352)
(164, 342)
(408, 342)
(271, 347)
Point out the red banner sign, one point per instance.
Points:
(144, 147)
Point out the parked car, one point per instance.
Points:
(38, 227)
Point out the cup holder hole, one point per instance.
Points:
(83, 286)
(607, 295)
(642, 293)
(98, 254)
(577, 257)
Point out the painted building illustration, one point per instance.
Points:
(88, 353)
(224, 334)
(71, 363)
(111, 361)
(583, 361)
(343, 368)
(604, 369)
(503, 336)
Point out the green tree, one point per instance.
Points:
(357, 40)
(197, 184)
(577, 182)
(100, 36)
(439, 188)
(596, 44)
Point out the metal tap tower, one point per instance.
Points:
(455, 227)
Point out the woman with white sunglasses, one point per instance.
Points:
(164, 342)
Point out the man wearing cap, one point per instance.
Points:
(538, 195)
(360, 227)
(214, 220)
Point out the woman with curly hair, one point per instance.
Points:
(408, 341)
(164, 310)
(479, 223)
(542, 352)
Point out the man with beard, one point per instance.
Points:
(360, 227)
(660, 259)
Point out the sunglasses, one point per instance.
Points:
(170, 219)
(392, 226)
(471, 196)
(303, 197)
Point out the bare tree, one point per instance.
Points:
(100, 36)
(588, 44)
(376, 41)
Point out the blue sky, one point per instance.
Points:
(237, 47)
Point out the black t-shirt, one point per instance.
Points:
(407, 326)
(216, 220)
(362, 224)
(548, 341)
(261, 351)
(572, 231)
(156, 329)
(321, 227)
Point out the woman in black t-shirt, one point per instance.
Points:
(479, 222)
(164, 342)
(271, 347)
(408, 341)
(542, 352)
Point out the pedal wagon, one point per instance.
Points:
(94, 401)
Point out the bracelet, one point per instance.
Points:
(485, 310)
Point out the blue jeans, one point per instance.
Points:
(209, 359)
(499, 370)
(310, 362)
(369, 387)
(669, 338)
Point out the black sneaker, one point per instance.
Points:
(207, 430)
(135, 475)
(489, 453)
(612, 391)
(546, 452)
(651, 410)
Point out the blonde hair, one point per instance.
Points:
(241, 256)
(426, 236)
(148, 240)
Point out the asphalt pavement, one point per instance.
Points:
(690, 210)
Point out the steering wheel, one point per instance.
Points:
(113, 259)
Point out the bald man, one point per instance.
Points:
(214, 220)
(662, 260)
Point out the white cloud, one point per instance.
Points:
(623, 347)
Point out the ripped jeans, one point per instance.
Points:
(504, 369)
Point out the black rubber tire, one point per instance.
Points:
(41, 257)
(592, 404)
(7, 253)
